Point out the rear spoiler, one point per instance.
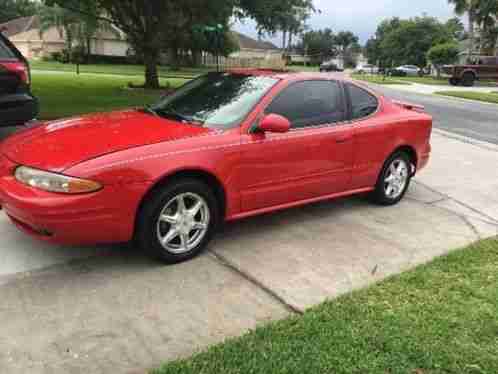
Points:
(408, 106)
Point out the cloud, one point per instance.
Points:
(363, 16)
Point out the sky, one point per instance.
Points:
(362, 16)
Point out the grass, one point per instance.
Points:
(378, 79)
(478, 96)
(442, 81)
(61, 95)
(439, 318)
(138, 70)
(300, 68)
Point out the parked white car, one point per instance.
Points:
(366, 69)
(406, 71)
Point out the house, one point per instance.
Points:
(25, 35)
(252, 48)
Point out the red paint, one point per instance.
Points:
(130, 152)
(274, 123)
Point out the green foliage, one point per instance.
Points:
(456, 28)
(318, 43)
(11, 9)
(443, 54)
(400, 42)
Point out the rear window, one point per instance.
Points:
(5, 52)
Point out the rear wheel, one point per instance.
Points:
(394, 180)
(468, 79)
(178, 221)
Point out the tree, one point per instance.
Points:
(65, 21)
(11, 9)
(468, 7)
(318, 43)
(374, 51)
(347, 46)
(456, 28)
(486, 17)
(150, 25)
(443, 54)
(410, 40)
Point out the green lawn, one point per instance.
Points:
(299, 68)
(164, 71)
(63, 95)
(442, 81)
(478, 96)
(378, 79)
(438, 318)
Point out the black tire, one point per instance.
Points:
(148, 224)
(379, 195)
(454, 81)
(468, 79)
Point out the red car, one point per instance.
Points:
(223, 147)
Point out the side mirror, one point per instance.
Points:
(274, 123)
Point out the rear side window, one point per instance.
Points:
(310, 103)
(5, 52)
(363, 103)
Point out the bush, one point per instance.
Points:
(443, 54)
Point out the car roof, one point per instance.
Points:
(287, 74)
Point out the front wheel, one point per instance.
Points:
(454, 81)
(468, 80)
(177, 221)
(394, 180)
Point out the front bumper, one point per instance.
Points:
(106, 216)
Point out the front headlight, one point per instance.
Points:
(53, 182)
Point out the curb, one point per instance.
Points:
(465, 139)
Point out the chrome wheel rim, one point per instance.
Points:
(396, 178)
(183, 223)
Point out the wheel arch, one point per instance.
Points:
(469, 71)
(410, 151)
(191, 173)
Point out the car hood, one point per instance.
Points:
(58, 145)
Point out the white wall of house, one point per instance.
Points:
(257, 53)
(33, 45)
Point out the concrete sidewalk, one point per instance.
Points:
(119, 312)
(430, 89)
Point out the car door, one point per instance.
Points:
(313, 159)
(372, 136)
(17, 106)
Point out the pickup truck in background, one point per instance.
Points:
(485, 67)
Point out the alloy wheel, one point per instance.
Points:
(183, 223)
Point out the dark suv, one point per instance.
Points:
(17, 105)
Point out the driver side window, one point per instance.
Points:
(310, 103)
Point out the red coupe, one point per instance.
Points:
(223, 147)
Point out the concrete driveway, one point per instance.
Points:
(101, 310)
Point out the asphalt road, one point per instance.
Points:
(471, 119)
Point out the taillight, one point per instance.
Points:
(18, 68)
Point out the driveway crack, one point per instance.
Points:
(222, 260)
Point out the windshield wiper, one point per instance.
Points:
(179, 117)
(148, 109)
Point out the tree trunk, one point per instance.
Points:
(289, 43)
(151, 76)
(174, 58)
(284, 39)
(471, 34)
(196, 58)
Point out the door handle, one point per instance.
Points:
(343, 139)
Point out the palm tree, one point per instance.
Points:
(65, 21)
(470, 7)
(487, 18)
(76, 26)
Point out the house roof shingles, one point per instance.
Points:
(246, 42)
(20, 25)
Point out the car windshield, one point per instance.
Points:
(215, 100)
